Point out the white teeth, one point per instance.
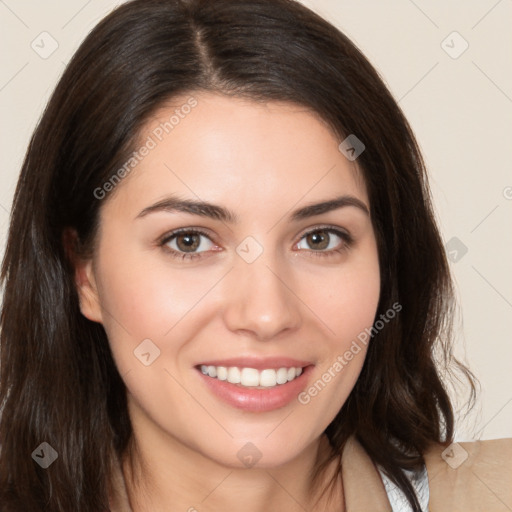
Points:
(268, 378)
(250, 377)
(282, 376)
(233, 375)
(222, 373)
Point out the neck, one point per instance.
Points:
(172, 477)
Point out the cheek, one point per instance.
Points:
(146, 297)
(150, 301)
(352, 304)
(347, 302)
(348, 309)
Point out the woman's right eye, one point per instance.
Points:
(187, 243)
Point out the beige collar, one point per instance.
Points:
(362, 484)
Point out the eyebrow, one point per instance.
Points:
(216, 212)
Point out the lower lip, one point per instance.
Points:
(257, 400)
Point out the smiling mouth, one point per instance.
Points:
(251, 377)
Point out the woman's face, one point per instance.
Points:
(257, 279)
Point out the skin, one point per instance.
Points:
(261, 162)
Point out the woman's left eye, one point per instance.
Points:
(325, 240)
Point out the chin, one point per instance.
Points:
(258, 453)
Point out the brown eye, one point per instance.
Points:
(325, 241)
(318, 240)
(188, 242)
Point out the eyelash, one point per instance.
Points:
(347, 242)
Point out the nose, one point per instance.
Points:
(260, 300)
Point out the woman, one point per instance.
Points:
(224, 285)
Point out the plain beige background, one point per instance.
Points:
(447, 63)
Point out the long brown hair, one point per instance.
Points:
(58, 381)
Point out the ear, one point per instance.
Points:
(85, 280)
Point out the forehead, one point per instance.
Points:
(237, 151)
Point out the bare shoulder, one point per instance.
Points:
(473, 475)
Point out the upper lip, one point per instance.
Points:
(258, 363)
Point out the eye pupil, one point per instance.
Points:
(318, 240)
(188, 242)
